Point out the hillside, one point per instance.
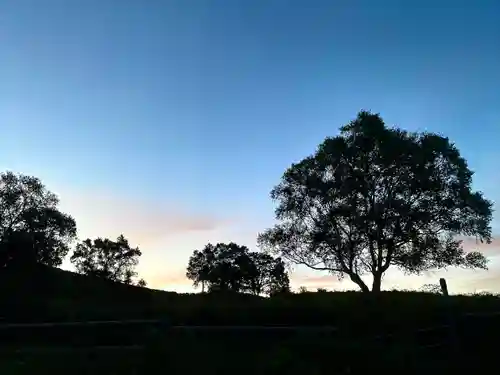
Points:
(58, 295)
(394, 330)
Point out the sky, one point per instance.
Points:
(170, 121)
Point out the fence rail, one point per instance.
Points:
(209, 327)
(444, 339)
(75, 324)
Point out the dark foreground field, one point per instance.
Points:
(311, 333)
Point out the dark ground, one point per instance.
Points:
(392, 332)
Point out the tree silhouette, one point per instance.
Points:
(229, 270)
(266, 275)
(375, 196)
(231, 267)
(32, 229)
(199, 266)
(303, 289)
(112, 260)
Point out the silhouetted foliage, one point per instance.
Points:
(32, 229)
(112, 260)
(268, 275)
(231, 267)
(375, 196)
(142, 283)
(431, 288)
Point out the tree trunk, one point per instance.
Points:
(357, 280)
(377, 282)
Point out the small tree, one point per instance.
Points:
(228, 272)
(199, 266)
(233, 267)
(112, 260)
(214, 268)
(266, 275)
(375, 197)
(32, 229)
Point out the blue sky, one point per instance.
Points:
(174, 119)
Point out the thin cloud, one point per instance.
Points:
(142, 222)
(321, 281)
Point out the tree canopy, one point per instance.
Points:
(32, 229)
(231, 267)
(374, 197)
(112, 260)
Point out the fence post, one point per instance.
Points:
(453, 336)
(444, 287)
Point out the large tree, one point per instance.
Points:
(112, 260)
(233, 267)
(374, 197)
(32, 229)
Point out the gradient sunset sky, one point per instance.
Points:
(170, 121)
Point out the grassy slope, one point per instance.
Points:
(56, 295)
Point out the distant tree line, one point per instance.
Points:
(370, 198)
